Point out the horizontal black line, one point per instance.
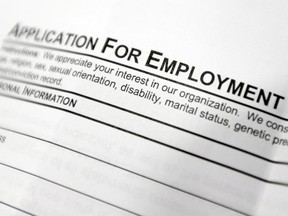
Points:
(16, 208)
(146, 72)
(122, 168)
(66, 187)
(149, 139)
(152, 119)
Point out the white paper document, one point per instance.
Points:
(165, 108)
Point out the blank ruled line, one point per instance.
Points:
(66, 187)
(16, 208)
(124, 169)
(150, 139)
(145, 72)
(151, 119)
